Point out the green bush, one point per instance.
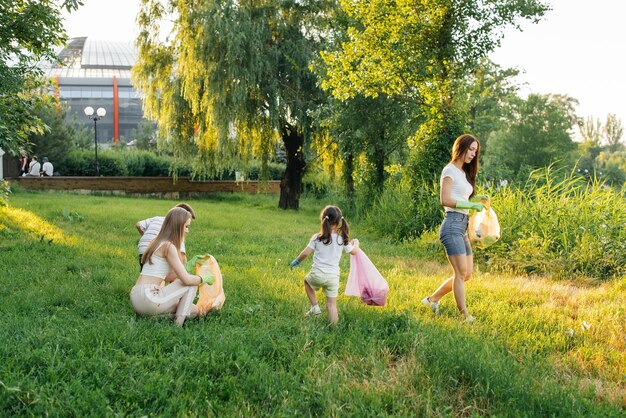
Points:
(275, 171)
(145, 163)
(566, 226)
(140, 163)
(83, 163)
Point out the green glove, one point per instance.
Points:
(477, 206)
(479, 197)
(206, 278)
(190, 265)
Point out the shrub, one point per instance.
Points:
(5, 191)
(566, 226)
(83, 163)
(396, 215)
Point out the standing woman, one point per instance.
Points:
(458, 184)
(162, 261)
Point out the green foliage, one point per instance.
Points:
(538, 135)
(561, 225)
(71, 215)
(145, 163)
(415, 48)
(138, 163)
(372, 131)
(30, 30)
(5, 191)
(74, 347)
(613, 132)
(612, 167)
(489, 93)
(63, 134)
(83, 163)
(233, 79)
(144, 136)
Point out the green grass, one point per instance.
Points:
(72, 346)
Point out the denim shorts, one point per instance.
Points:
(453, 234)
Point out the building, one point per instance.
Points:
(97, 74)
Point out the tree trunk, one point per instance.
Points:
(379, 161)
(291, 180)
(348, 168)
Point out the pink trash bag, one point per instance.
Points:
(366, 281)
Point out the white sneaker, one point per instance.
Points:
(469, 319)
(315, 310)
(432, 305)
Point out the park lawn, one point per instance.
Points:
(72, 346)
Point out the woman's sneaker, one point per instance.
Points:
(432, 305)
(315, 310)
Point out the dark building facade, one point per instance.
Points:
(97, 74)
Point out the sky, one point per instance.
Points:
(576, 49)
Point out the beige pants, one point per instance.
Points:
(175, 298)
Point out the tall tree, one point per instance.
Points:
(539, 135)
(490, 92)
(374, 128)
(233, 78)
(421, 50)
(613, 132)
(590, 130)
(29, 32)
(63, 134)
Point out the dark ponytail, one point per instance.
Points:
(329, 217)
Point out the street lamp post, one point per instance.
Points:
(100, 113)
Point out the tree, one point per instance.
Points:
(29, 32)
(61, 135)
(590, 130)
(490, 91)
(422, 51)
(233, 80)
(538, 135)
(613, 132)
(373, 128)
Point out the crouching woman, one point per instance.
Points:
(162, 261)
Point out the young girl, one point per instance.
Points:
(163, 261)
(458, 182)
(327, 246)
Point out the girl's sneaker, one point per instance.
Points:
(432, 305)
(315, 310)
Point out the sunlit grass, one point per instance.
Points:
(73, 346)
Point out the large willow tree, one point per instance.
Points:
(233, 79)
(30, 31)
(422, 50)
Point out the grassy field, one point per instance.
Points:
(72, 346)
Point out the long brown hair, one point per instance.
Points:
(329, 217)
(460, 147)
(172, 230)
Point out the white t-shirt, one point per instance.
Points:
(151, 228)
(461, 188)
(34, 168)
(326, 257)
(48, 169)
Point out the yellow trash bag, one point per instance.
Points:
(210, 296)
(484, 228)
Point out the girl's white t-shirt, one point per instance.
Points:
(326, 257)
(461, 188)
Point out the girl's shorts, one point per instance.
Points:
(453, 234)
(328, 282)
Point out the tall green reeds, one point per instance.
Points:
(562, 225)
